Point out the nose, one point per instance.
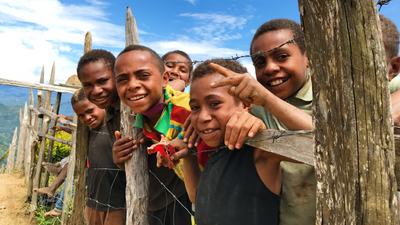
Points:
(97, 90)
(133, 84)
(271, 67)
(87, 117)
(204, 116)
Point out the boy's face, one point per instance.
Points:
(89, 114)
(211, 109)
(282, 71)
(98, 83)
(177, 70)
(138, 80)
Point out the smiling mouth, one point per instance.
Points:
(100, 99)
(277, 82)
(137, 97)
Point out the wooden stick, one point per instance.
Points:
(136, 168)
(43, 87)
(21, 140)
(62, 141)
(36, 111)
(60, 120)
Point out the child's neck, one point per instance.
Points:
(153, 118)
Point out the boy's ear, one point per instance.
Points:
(394, 67)
(247, 106)
(305, 54)
(165, 79)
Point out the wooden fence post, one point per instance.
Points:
(51, 142)
(34, 144)
(11, 154)
(353, 125)
(45, 128)
(22, 140)
(137, 175)
(82, 132)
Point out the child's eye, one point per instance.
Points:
(213, 104)
(259, 63)
(120, 79)
(194, 107)
(282, 57)
(103, 81)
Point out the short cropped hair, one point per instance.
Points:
(78, 96)
(390, 35)
(282, 24)
(94, 56)
(204, 68)
(182, 53)
(156, 58)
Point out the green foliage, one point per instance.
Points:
(60, 150)
(9, 117)
(41, 220)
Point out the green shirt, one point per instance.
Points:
(394, 85)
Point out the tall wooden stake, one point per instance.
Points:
(45, 128)
(82, 131)
(137, 175)
(354, 146)
(21, 140)
(11, 154)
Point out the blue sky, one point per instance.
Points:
(37, 32)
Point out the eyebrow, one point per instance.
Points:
(281, 47)
(135, 73)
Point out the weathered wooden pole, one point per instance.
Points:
(30, 145)
(137, 175)
(44, 129)
(34, 143)
(51, 142)
(82, 132)
(11, 154)
(21, 140)
(353, 126)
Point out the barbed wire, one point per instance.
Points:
(382, 3)
(254, 56)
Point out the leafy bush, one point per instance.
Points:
(60, 150)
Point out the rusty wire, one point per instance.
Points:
(382, 3)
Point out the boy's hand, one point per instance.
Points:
(122, 149)
(242, 86)
(240, 126)
(181, 151)
(190, 134)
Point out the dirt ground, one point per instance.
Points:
(12, 198)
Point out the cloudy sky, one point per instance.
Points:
(34, 33)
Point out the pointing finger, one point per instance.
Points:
(222, 70)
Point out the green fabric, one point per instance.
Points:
(394, 85)
(162, 124)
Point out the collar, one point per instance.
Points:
(305, 93)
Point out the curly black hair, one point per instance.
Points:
(282, 24)
(390, 35)
(156, 58)
(96, 55)
(78, 96)
(204, 68)
(182, 53)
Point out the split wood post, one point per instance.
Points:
(11, 154)
(2, 169)
(353, 125)
(136, 168)
(51, 142)
(21, 140)
(82, 132)
(45, 128)
(34, 143)
(70, 177)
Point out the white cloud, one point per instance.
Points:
(217, 27)
(65, 48)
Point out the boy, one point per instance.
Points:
(390, 36)
(236, 187)
(106, 183)
(179, 66)
(96, 73)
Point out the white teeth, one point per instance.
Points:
(207, 131)
(100, 99)
(137, 97)
(276, 82)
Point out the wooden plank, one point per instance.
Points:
(69, 143)
(353, 125)
(35, 111)
(43, 87)
(82, 132)
(60, 120)
(45, 127)
(51, 142)
(70, 176)
(11, 154)
(137, 175)
(21, 141)
(296, 145)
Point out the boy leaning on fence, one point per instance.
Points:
(105, 181)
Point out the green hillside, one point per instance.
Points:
(9, 119)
